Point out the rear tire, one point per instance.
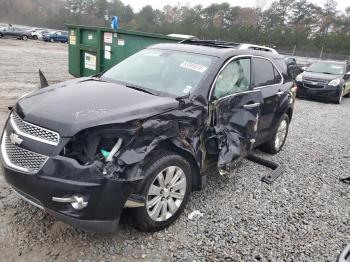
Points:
(347, 95)
(1, 35)
(167, 188)
(277, 142)
(52, 40)
(24, 37)
(35, 37)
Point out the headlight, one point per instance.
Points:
(334, 82)
(299, 78)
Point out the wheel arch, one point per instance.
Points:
(168, 145)
(289, 113)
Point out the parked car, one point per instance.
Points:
(326, 80)
(141, 134)
(56, 36)
(15, 32)
(38, 35)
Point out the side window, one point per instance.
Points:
(233, 79)
(347, 68)
(278, 77)
(264, 74)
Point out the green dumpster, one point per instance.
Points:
(94, 49)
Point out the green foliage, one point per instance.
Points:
(286, 23)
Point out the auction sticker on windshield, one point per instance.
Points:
(193, 66)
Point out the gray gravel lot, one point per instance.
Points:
(303, 216)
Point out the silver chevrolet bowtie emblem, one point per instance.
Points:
(15, 139)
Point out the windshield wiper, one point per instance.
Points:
(140, 88)
(327, 73)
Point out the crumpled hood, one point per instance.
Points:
(320, 76)
(74, 105)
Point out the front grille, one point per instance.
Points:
(33, 131)
(314, 83)
(21, 159)
(315, 80)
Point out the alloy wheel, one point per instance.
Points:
(281, 134)
(166, 193)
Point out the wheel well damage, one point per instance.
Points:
(183, 131)
(178, 131)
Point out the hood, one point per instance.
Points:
(72, 106)
(320, 76)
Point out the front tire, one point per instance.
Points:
(167, 188)
(35, 37)
(277, 142)
(24, 37)
(52, 40)
(340, 98)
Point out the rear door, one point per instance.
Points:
(268, 79)
(236, 111)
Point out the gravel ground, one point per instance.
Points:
(303, 216)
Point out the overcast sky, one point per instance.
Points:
(159, 4)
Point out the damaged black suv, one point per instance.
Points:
(141, 135)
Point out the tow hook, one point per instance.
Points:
(277, 168)
(76, 201)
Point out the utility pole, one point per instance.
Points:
(321, 53)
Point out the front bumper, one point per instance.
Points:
(106, 198)
(63, 177)
(326, 93)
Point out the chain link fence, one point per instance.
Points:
(307, 57)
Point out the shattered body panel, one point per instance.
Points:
(91, 115)
(236, 126)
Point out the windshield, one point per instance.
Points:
(164, 71)
(327, 68)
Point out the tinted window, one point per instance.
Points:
(278, 77)
(263, 72)
(234, 78)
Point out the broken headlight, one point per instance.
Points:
(99, 143)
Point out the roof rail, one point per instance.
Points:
(213, 43)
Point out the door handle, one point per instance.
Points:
(247, 106)
(280, 93)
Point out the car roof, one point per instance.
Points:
(217, 51)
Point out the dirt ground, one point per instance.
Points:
(303, 216)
